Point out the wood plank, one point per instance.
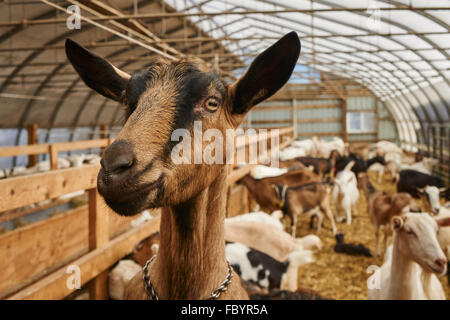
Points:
(271, 121)
(37, 249)
(319, 120)
(53, 157)
(98, 236)
(98, 220)
(91, 264)
(59, 146)
(84, 144)
(17, 213)
(32, 140)
(344, 119)
(319, 134)
(271, 108)
(21, 191)
(30, 251)
(362, 133)
(23, 150)
(318, 106)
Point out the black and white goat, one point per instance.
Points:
(261, 269)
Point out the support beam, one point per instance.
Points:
(98, 237)
(32, 139)
(214, 14)
(344, 120)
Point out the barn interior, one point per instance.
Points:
(371, 74)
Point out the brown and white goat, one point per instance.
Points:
(139, 173)
(383, 207)
(263, 190)
(413, 262)
(310, 198)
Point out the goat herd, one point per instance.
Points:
(315, 177)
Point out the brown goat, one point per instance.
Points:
(138, 171)
(382, 207)
(263, 190)
(305, 198)
(322, 166)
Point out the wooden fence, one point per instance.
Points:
(38, 259)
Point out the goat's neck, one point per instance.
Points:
(191, 259)
(403, 281)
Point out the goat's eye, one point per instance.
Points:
(212, 104)
(410, 232)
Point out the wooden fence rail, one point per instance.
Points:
(92, 238)
(53, 149)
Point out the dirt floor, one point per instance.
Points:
(341, 276)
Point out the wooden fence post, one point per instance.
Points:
(344, 120)
(53, 151)
(294, 117)
(98, 236)
(32, 139)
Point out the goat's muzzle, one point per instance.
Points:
(116, 181)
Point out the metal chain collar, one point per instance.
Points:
(214, 295)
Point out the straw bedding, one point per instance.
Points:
(341, 276)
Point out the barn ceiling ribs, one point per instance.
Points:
(397, 49)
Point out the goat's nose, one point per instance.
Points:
(441, 263)
(118, 157)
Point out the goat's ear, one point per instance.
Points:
(266, 75)
(443, 222)
(397, 223)
(96, 72)
(420, 191)
(442, 190)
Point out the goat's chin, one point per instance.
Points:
(133, 204)
(430, 267)
(126, 208)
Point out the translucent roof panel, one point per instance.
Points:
(398, 49)
(395, 48)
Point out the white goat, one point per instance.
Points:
(345, 192)
(307, 145)
(267, 238)
(259, 217)
(324, 148)
(384, 148)
(120, 276)
(290, 153)
(412, 262)
(424, 166)
(260, 172)
(431, 197)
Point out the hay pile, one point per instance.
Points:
(341, 276)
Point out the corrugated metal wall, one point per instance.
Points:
(323, 117)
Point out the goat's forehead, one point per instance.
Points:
(420, 221)
(174, 83)
(431, 190)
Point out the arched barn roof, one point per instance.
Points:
(398, 49)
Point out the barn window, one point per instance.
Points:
(361, 122)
